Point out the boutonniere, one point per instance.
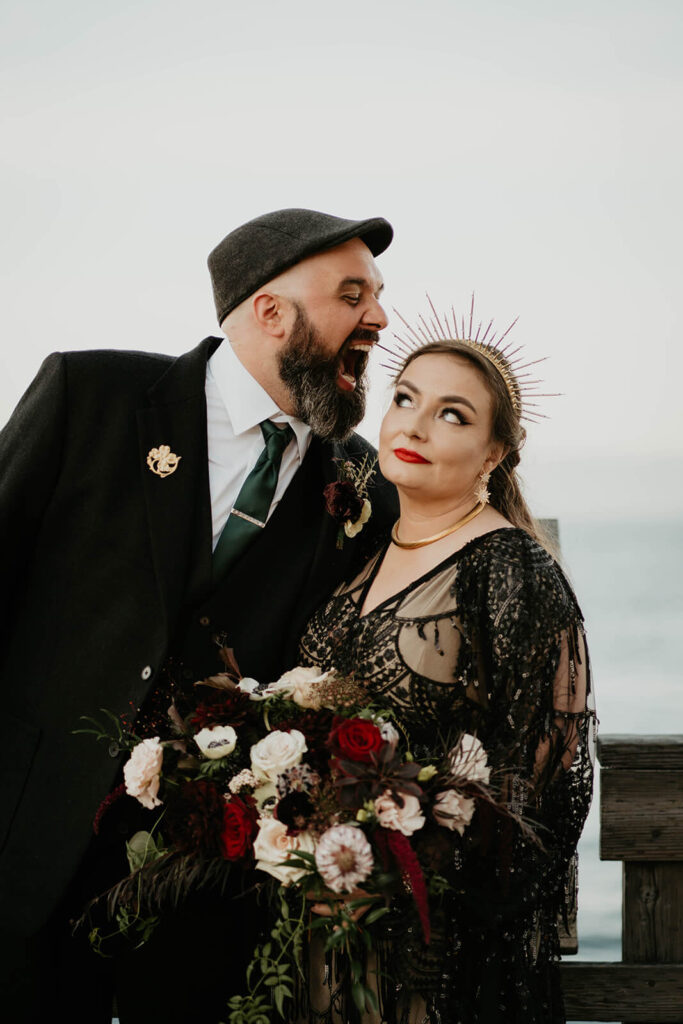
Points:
(346, 499)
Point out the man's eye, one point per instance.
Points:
(402, 399)
(353, 299)
(453, 416)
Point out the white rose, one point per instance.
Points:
(219, 741)
(469, 761)
(141, 772)
(272, 847)
(351, 529)
(406, 819)
(453, 810)
(302, 685)
(276, 752)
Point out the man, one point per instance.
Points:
(120, 471)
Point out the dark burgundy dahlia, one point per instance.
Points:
(194, 818)
(342, 501)
(221, 707)
(294, 810)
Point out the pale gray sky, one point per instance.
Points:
(529, 152)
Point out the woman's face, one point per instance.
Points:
(435, 438)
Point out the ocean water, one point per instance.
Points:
(629, 582)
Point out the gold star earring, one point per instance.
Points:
(481, 491)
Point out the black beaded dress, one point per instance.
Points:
(488, 642)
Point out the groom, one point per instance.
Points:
(118, 474)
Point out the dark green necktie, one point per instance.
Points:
(250, 511)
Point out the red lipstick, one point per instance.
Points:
(407, 455)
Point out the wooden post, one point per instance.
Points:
(641, 824)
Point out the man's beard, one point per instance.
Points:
(310, 374)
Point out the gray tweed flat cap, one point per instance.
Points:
(264, 247)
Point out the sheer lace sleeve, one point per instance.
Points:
(528, 644)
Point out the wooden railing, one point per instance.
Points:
(641, 824)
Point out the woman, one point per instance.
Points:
(464, 622)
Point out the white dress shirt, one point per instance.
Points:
(236, 404)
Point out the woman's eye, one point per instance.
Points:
(402, 399)
(453, 416)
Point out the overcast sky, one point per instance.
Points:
(529, 152)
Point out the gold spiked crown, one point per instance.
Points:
(519, 381)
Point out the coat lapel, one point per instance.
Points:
(178, 504)
(329, 563)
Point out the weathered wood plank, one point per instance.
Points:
(641, 752)
(652, 913)
(641, 815)
(627, 992)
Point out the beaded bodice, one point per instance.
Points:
(491, 642)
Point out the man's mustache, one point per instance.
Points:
(363, 334)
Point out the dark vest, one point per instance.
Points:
(260, 609)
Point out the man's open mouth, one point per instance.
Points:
(346, 371)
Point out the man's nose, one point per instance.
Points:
(374, 316)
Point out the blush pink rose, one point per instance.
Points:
(141, 773)
(273, 846)
(453, 810)
(406, 819)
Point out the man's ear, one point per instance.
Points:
(270, 313)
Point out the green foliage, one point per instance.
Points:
(213, 768)
(437, 885)
(135, 926)
(130, 923)
(249, 1010)
(110, 729)
(278, 709)
(272, 969)
(142, 849)
(96, 939)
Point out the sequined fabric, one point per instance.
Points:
(490, 642)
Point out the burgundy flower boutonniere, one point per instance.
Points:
(346, 499)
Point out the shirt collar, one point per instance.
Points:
(246, 402)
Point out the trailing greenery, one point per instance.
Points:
(271, 973)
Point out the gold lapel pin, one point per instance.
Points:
(162, 460)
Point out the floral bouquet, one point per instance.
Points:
(305, 781)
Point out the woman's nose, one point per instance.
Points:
(416, 426)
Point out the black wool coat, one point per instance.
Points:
(102, 561)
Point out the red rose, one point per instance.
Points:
(239, 827)
(355, 739)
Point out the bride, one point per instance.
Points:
(464, 621)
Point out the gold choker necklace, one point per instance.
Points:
(472, 514)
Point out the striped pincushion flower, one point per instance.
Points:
(344, 858)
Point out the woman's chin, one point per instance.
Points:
(400, 472)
